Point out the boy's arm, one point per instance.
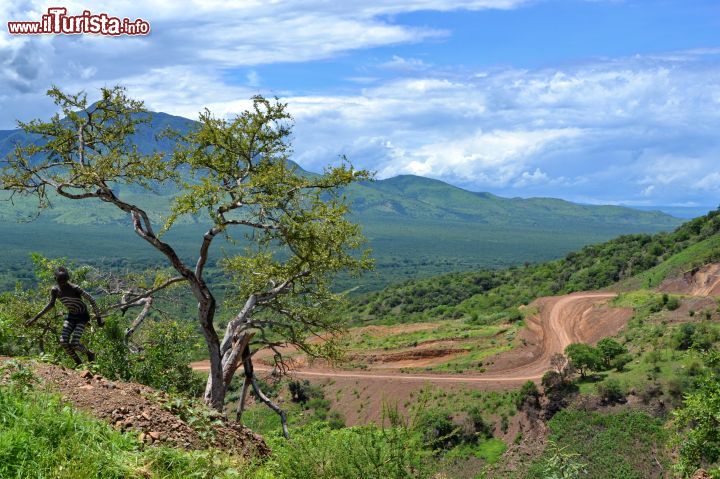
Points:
(48, 307)
(92, 302)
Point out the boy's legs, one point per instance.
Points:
(65, 338)
(75, 339)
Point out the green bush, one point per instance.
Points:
(609, 350)
(438, 430)
(611, 391)
(318, 452)
(302, 391)
(673, 303)
(619, 362)
(625, 445)
(529, 395)
(697, 424)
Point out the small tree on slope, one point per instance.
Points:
(238, 172)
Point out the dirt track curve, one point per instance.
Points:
(562, 320)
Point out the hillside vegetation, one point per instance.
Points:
(491, 295)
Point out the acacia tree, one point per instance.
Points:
(294, 225)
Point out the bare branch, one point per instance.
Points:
(133, 300)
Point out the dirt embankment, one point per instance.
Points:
(702, 281)
(134, 407)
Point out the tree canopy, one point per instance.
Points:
(237, 174)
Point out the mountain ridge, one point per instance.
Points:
(417, 226)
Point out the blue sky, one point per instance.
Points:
(592, 101)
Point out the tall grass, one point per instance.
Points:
(40, 437)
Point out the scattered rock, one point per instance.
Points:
(129, 406)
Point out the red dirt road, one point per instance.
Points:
(562, 320)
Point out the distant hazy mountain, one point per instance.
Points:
(416, 226)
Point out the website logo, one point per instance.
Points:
(58, 22)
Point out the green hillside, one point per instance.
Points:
(417, 227)
(488, 295)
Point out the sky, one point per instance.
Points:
(593, 101)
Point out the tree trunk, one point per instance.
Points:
(243, 398)
(215, 389)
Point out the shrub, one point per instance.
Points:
(620, 362)
(303, 391)
(438, 430)
(610, 349)
(611, 391)
(528, 395)
(683, 337)
(673, 303)
(335, 420)
(319, 452)
(697, 431)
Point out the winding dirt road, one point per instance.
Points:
(562, 320)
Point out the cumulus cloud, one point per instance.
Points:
(640, 130)
(636, 129)
(208, 36)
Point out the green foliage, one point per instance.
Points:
(619, 362)
(611, 391)
(164, 362)
(700, 336)
(438, 430)
(195, 414)
(302, 391)
(609, 350)
(369, 452)
(528, 394)
(559, 464)
(697, 423)
(625, 445)
(584, 358)
(673, 303)
(480, 295)
(42, 437)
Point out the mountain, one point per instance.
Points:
(416, 226)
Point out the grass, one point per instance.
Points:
(446, 330)
(696, 255)
(479, 342)
(490, 450)
(41, 437)
(625, 445)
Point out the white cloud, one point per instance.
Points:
(632, 129)
(401, 64)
